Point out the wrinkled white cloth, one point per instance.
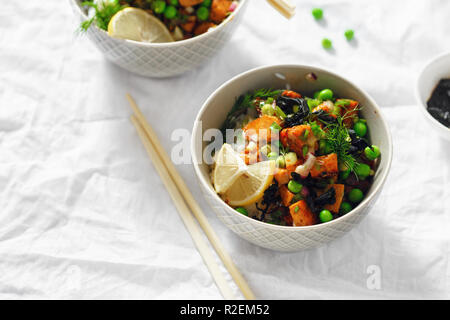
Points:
(83, 214)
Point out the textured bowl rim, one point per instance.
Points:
(422, 106)
(341, 219)
(169, 44)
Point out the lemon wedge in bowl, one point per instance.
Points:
(138, 25)
(229, 166)
(250, 186)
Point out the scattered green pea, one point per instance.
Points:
(203, 13)
(325, 216)
(360, 128)
(349, 34)
(326, 94)
(174, 2)
(362, 170)
(317, 13)
(327, 44)
(242, 211)
(356, 196)
(294, 186)
(345, 208)
(372, 153)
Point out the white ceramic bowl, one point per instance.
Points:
(162, 59)
(435, 70)
(213, 114)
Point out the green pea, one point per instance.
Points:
(281, 163)
(316, 94)
(356, 196)
(317, 13)
(345, 208)
(325, 216)
(294, 186)
(327, 44)
(174, 3)
(159, 6)
(360, 128)
(203, 13)
(207, 3)
(326, 94)
(242, 211)
(170, 12)
(372, 153)
(349, 34)
(362, 170)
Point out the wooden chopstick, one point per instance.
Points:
(185, 214)
(285, 7)
(188, 197)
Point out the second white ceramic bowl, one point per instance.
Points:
(213, 114)
(162, 60)
(435, 70)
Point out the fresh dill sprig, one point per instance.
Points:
(339, 142)
(104, 11)
(245, 102)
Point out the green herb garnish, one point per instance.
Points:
(338, 141)
(244, 102)
(104, 11)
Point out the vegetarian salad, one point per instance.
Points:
(182, 18)
(295, 160)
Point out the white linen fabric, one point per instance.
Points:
(84, 215)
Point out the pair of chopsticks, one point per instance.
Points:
(189, 209)
(285, 7)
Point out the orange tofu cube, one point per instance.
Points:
(261, 127)
(296, 138)
(325, 166)
(301, 214)
(339, 188)
(190, 3)
(219, 10)
(282, 176)
(286, 196)
(291, 94)
(203, 27)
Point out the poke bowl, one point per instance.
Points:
(327, 191)
(164, 59)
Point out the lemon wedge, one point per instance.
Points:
(250, 186)
(229, 166)
(136, 24)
